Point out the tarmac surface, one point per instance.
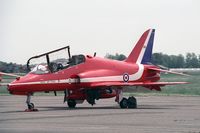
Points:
(155, 114)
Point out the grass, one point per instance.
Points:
(186, 89)
(193, 88)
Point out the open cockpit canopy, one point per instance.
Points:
(53, 61)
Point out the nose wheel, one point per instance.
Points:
(30, 105)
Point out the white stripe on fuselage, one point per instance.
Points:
(132, 77)
(139, 60)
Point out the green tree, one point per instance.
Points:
(191, 60)
(157, 58)
(180, 61)
(171, 61)
(116, 56)
(199, 60)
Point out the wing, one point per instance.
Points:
(166, 71)
(149, 85)
(9, 74)
(4, 84)
(101, 84)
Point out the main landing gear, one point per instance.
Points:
(29, 104)
(131, 102)
(71, 103)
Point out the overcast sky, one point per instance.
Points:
(31, 27)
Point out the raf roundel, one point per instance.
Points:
(126, 77)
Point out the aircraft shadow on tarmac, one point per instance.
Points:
(31, 117)
(48, 108)
(98, 114)
(60, 108)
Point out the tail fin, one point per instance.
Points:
(142, 51)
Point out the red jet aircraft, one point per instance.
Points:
(92, 78)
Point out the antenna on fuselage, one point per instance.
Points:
(95, 54)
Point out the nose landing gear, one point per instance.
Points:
(30, 105)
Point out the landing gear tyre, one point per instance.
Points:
(71, 103)
(31, 106)
(123, 103)
(132, 103)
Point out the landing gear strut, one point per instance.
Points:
(29, 104)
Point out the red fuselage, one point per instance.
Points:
(93, 70)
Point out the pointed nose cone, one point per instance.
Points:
(15, 89)
(19, 86)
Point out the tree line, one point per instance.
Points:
(12, 67)
(190, 60)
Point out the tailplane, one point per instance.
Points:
(142, 51)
